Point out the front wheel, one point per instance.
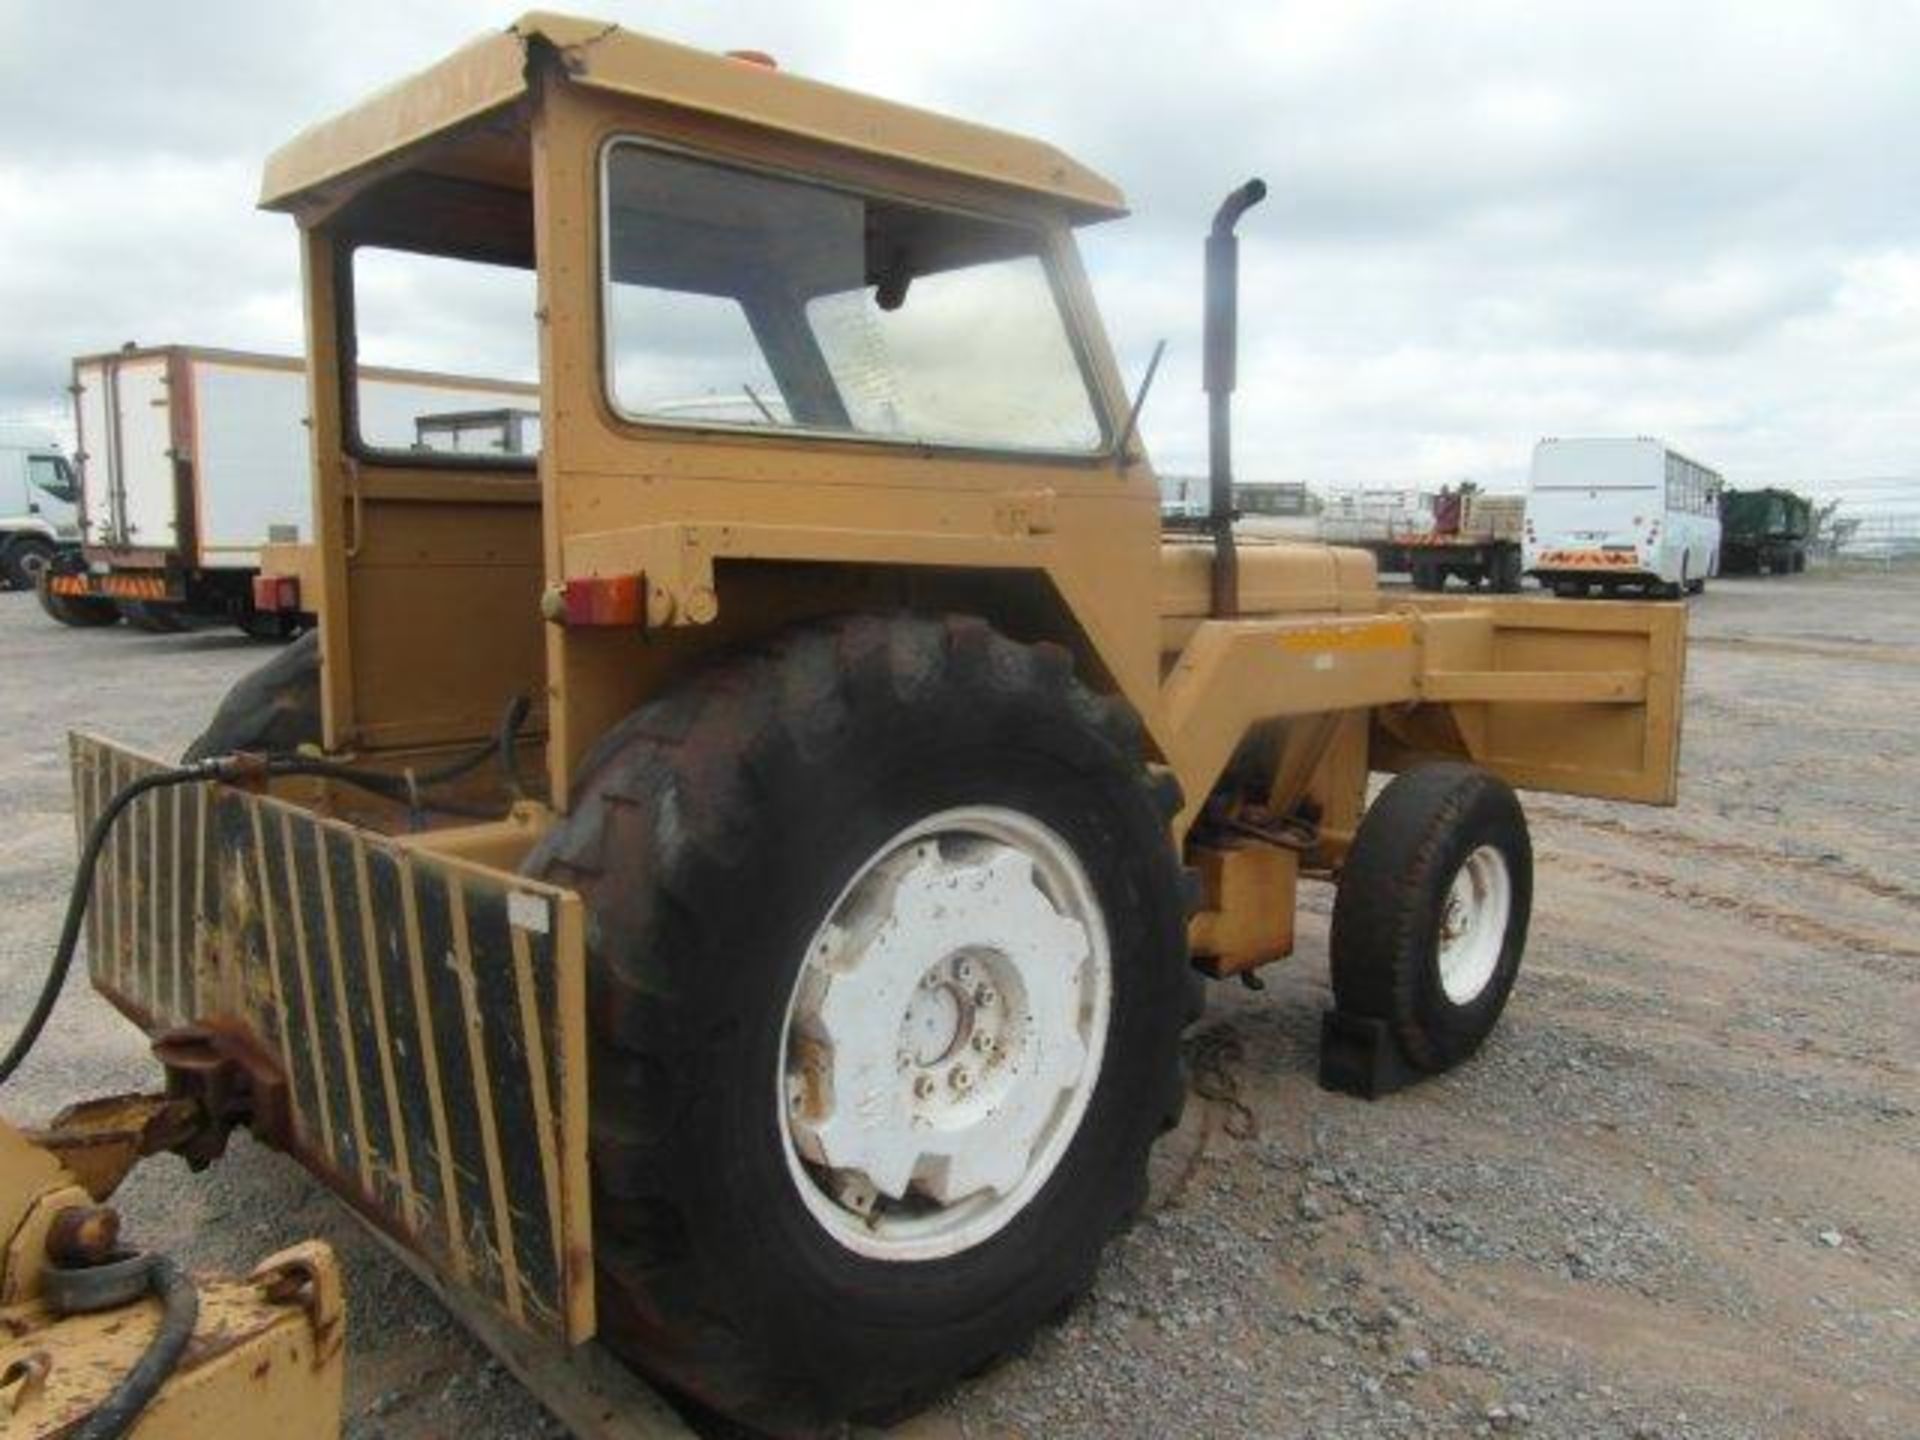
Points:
(1430, 919)
(23, 558)
(888, 969)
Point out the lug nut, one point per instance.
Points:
(960, 1079)
(984, 996)
(923, 1088)
(982, 1041)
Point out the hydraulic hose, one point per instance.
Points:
(404, 790)
(179, 1309)
(56, 980)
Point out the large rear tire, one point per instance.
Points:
(855, 899)
(1430, 919)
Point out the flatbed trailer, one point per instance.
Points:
(729, 891)
(1462, 535)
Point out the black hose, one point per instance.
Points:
(402, 790)
(179, 1309)
(505, 744)
(77, 901)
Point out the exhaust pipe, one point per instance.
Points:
(1221, 345)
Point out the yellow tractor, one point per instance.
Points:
(728, 892)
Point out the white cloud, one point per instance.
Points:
(1490, 221)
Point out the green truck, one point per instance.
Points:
(1764, 532)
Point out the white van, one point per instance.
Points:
(1615, 514)
(39, 504)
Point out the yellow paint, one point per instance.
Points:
(1372, 635)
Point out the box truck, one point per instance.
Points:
(192, 461)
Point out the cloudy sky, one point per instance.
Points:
(1490, 221)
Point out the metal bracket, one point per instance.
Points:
(307, 1275)
(99, 1141)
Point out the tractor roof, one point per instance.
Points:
(491, 74)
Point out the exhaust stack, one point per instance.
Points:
(1222, 343)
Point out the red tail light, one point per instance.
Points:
(602, 600)
(276, 594)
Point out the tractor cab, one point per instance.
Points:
(788, 340)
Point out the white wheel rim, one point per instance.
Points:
(944, 1034)
(1473, 924)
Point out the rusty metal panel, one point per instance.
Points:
(425, 1014)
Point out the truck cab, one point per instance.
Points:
(39, 515)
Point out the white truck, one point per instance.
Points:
(39, 504)
(192, 461)
(1606, 515)
(1458, 533)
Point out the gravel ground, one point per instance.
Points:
(1673, 1198)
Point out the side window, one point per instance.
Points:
(51, 474)
(448, 355)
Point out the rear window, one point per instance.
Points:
(448, 356)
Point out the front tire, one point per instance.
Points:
(801, 1212)
(23, 558)
(1430, 919)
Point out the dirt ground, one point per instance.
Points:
(1678, 1195)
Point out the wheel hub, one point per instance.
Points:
(1473, 924)
(944, 1034)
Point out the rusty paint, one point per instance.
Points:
(83, 1235)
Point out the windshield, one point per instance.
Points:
(50, 474)
(741, 299)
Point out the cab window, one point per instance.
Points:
(52, 475)
(742, 299)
